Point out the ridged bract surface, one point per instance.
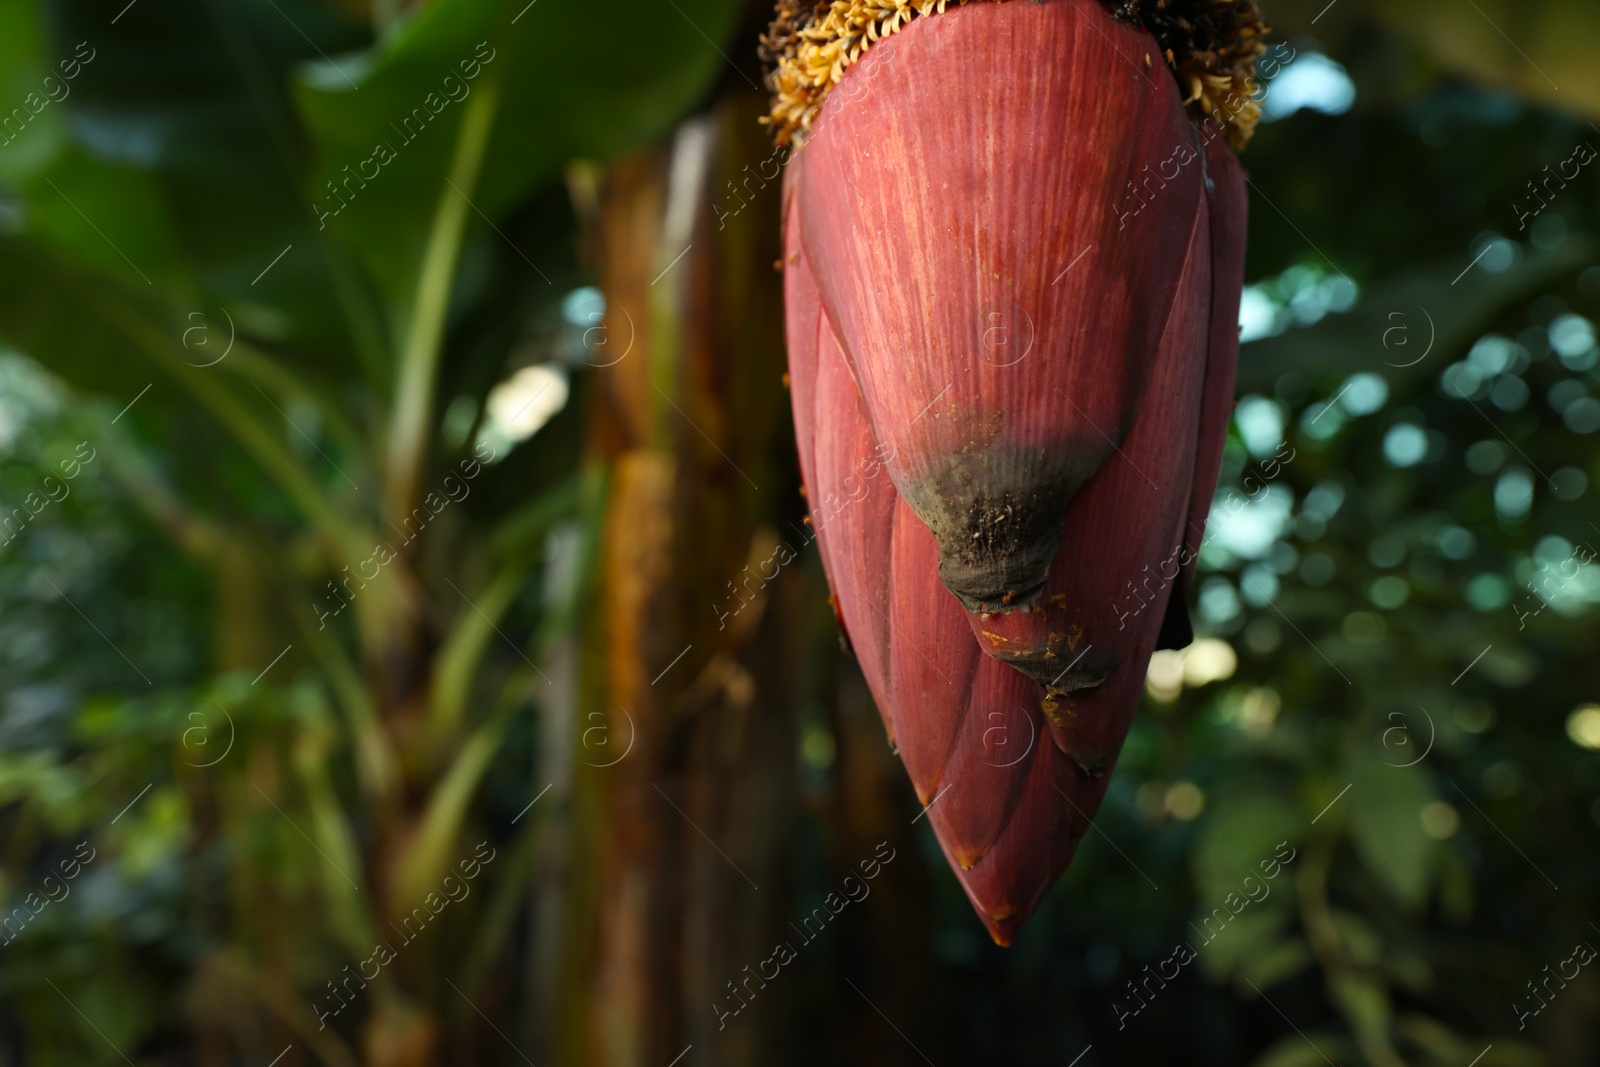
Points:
(1012, 277)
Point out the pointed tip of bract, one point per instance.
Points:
(1002, 932)
(1002, 924)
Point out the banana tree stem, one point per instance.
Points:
(419, 360)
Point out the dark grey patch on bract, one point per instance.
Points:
(1064, 672)
(997, 515)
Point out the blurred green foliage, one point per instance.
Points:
(271, 376)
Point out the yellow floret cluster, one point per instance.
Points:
(1211, 46)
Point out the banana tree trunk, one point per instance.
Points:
(678, 870)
